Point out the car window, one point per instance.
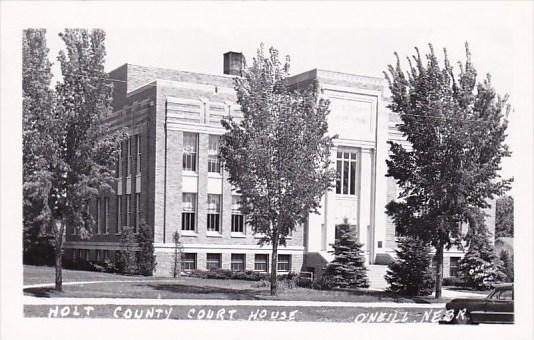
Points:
(506, 295)
(494, 294)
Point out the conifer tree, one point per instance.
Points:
(127, 261)
(348, 269)
(147, 259)
(507, 265)
(504, 216)
(480, 268)
(411, 272)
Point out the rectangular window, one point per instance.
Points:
(106, 215)
(129, 164)
(213, 261)
(97, 216)
(121, 159)
(129, 210)
(284, 263)
(453, 266)
(214, 213)
(138, 156)
(238, 221)
(98, 256)
(346, 170)
(105, 255)
(261, 262)
(190, 151)
(214, 164)
(137, 211)
(189, 209)
(189, 261)
(119, 214)
(238, 263)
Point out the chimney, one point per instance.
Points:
(233, 63)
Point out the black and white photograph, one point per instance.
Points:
(277, 170)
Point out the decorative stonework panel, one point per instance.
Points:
(352, 116)
(184, 110)
(216, 112)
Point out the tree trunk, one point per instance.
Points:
(59, 276)
(439, 270)
(274, 265)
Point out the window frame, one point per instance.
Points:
(119, 214)
(106, 215)
(214, 161)
(128, 210)
(456, 267)
(137, 210)
(237, 216)
(208, 261)
(97, 216)
(129, 162)
(191, 214)
(190, 158)
(213, 222)
(242, 262)
(348, 162)
(192, 261)
(279, 262)
(138, 155)
(256, 262)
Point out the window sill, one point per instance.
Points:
(188, 233)
(238, 235)
(189, 173)
(262, 235)
(213, 234)
(214, 175)
(347, 197)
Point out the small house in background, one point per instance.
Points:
(504, 243)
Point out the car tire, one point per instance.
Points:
(466, 320)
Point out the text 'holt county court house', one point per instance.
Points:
(170, 176)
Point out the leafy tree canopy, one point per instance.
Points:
(456, 128)
(278, 155)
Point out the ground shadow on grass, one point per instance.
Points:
(390, 296)
(228, 293)
(41, 292)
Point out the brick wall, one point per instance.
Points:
(165, 259)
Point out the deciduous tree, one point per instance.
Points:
(73, 157)
(456, 128)
(278, 154)
(38, 103)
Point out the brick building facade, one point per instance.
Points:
(169, 174)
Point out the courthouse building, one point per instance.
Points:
(170, 176)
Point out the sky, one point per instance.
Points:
(357, 38)
(352, 37)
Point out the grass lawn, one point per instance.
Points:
(188, 288)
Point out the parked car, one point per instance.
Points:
(497, 307)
